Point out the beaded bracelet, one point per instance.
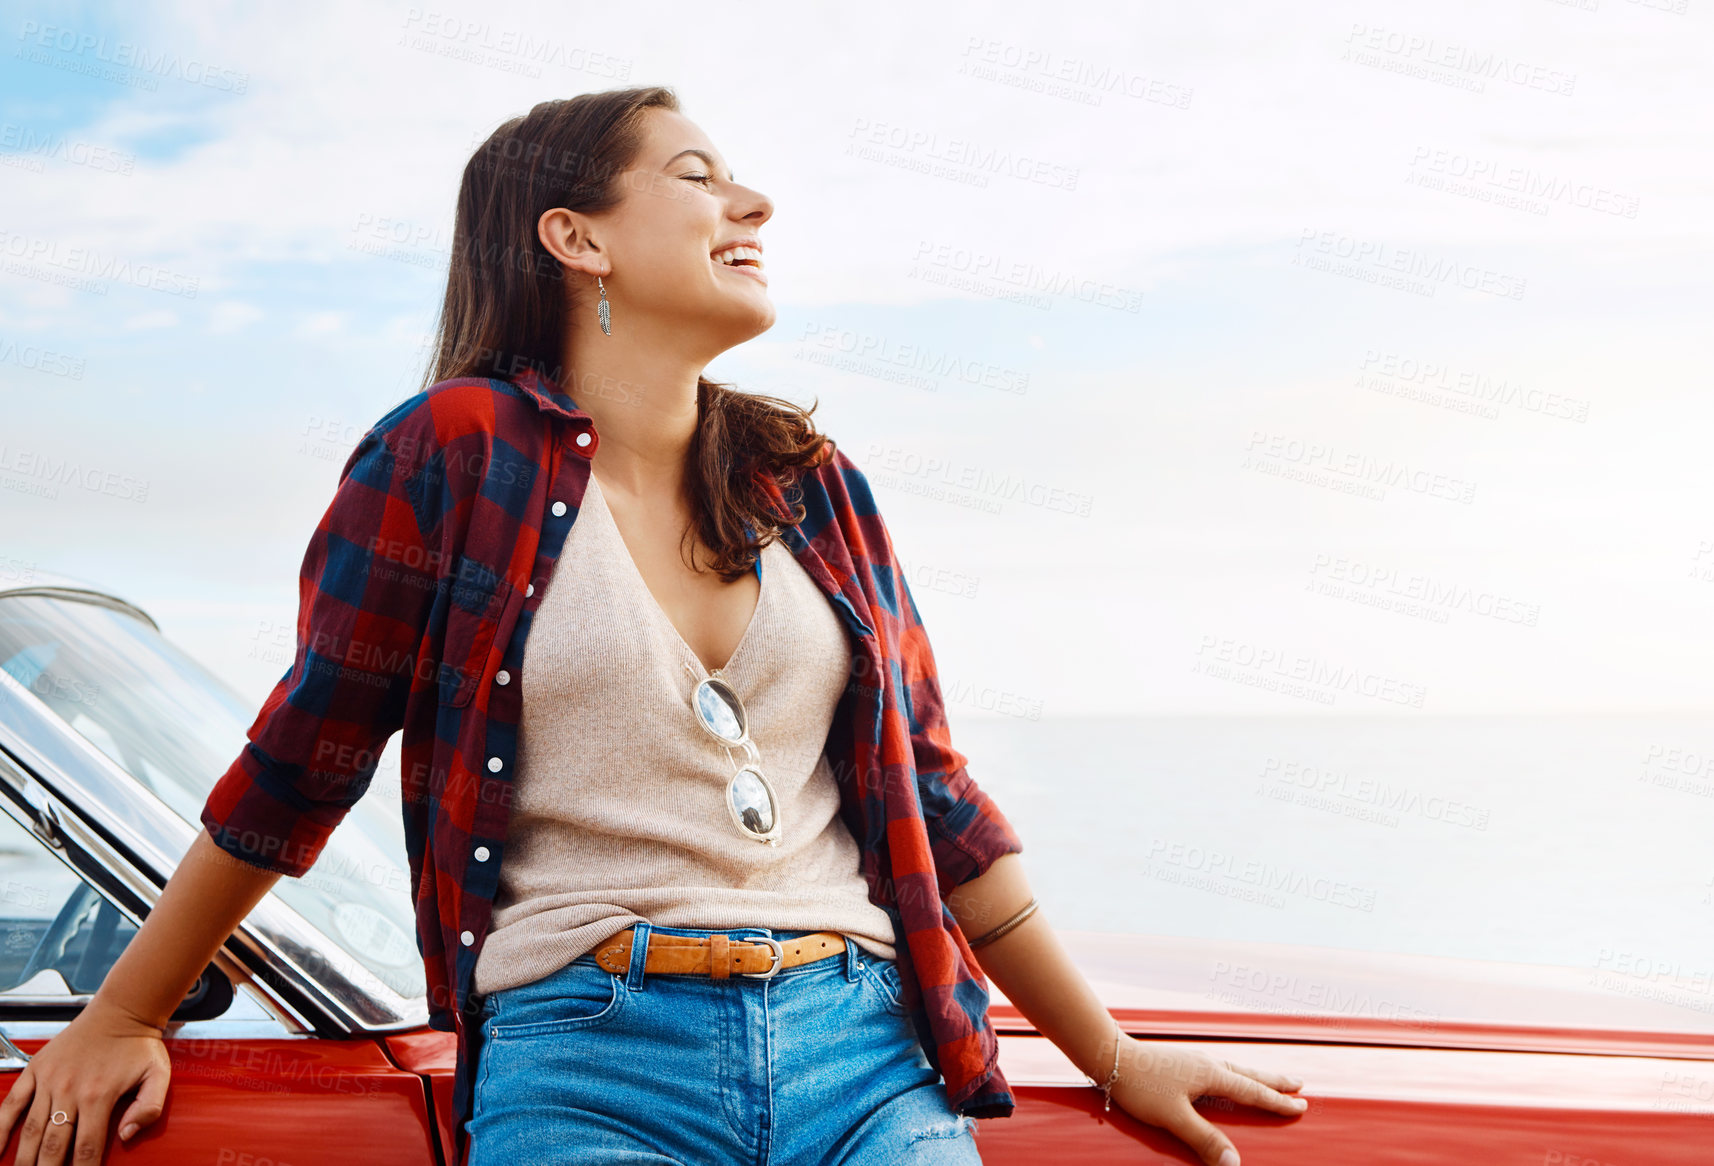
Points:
(1024, 913)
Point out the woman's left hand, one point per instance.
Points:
(1158, 1080)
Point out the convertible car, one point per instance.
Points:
(306, 1041)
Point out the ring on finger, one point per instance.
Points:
(61, 1117)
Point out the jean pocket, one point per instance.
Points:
(883, 976)
(578, 996)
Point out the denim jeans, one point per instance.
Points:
(818, 1066)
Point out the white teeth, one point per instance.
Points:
(733, 254)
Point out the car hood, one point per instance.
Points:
(1173, 985)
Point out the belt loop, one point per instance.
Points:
(853, 961)
(639, 955)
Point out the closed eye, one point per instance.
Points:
(698, 177)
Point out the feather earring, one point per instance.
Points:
(603, 310)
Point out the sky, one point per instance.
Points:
(1326, 359)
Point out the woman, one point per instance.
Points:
(742, 855)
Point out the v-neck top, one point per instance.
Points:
(619, 811)
(606, 517)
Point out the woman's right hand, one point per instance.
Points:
(101, 1055)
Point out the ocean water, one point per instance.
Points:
(1583, 841)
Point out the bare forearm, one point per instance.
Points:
(1032, 967)
(204, 901)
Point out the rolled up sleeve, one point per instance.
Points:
(366, 588)
(967, 830)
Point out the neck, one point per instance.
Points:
(640, 387)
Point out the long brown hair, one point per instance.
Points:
(507, 299)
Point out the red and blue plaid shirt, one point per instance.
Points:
(416, 597)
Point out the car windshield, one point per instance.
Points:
(175, 727)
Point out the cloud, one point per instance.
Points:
(232, 316)
(150, 321)
(322, 323)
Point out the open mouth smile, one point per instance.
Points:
(741, 258)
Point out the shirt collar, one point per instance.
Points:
(549, 397)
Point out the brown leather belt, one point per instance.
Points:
(719, 956)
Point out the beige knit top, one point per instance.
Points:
(619, 811)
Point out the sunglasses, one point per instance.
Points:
(750, 798)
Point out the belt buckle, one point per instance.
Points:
(779, 957)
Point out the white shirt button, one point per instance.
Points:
(583, 439)
(481, 854)
(502, 677)
(559, 509)
(529, 590)
(494, 764)
(466, 938)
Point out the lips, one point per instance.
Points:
(754, 273)
(748, 247)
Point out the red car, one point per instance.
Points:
(306, 1040)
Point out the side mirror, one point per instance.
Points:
(48, 990)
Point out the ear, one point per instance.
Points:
(569, 238)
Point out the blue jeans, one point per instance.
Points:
(818, 1066)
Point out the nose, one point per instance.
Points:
(752, 207)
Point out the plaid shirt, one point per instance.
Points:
(416, 597)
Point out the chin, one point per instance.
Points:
(754, 323)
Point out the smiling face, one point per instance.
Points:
(655, 251)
